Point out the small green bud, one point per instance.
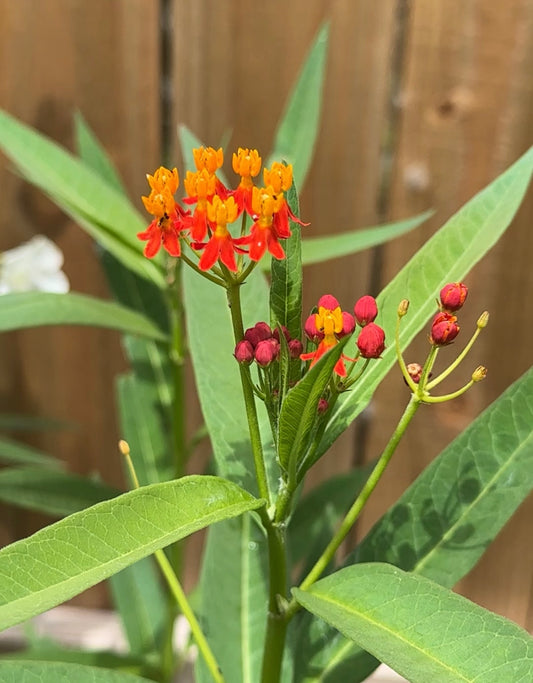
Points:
(403, 308)
(483, 320)
(479, 373)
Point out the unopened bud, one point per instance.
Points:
(365, 310)
(371, 341)
(295, 348)
(453, 296)
(479, 374)
(311, 330)
(483, 320)
(323, 405)
(259, 332)
(328, 301)
(285, 331)
(444, 329)
(403, 307)
(348, 324)
(415, 371)
(124, 447)
(266, 352)
(244, 352)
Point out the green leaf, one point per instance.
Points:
(446, 257)
(420, 629)
(22, 454)
(317, 515)
(67, 557)
(99, 208)
(140, 601)
(299, 412)
(234, 584)
(286, 283)
(298, 129)
(31, 423)
(52, 492)
(319, 249)
(443, 523)
(32, 309)
(56, 672)
(94, 155)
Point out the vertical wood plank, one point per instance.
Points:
(58, 57)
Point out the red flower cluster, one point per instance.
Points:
(214, 207)
(262, 344)
(330, 323)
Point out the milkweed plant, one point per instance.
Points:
(214, 277)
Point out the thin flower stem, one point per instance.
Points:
(455, 363)
(449, 397)
(234, 301)
(359, 503)
(203, 273)
(411, 384)
(176, 588)
(183, 603)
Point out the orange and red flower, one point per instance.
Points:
(221, 245)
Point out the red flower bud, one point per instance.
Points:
(348, 324)
(266, 352)
(453, 296)
(371, 341)
(244, 352)
(295, 348)
(444, 329)
(415, 371)
(328, 301)
(259, 332)
(311, 331)
(323, 405)
(285, 333)
(365, 310)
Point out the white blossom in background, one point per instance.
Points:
(34, 265)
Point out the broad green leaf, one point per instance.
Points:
(94, 155)
(446, 257)
(445, 520)
(319, 249)
(317, 515)
(286, 279)
(22, 454)
(53, 492)
(299, 412)
(32, 309)
(67, 557)
(234, 584)
(58, 672)
(140, 600)
(100, 209)
(420, 629)
(298, 129)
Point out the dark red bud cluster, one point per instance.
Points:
(262, 344)
(371, 341)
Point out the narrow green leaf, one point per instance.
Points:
(32, 309)
(317, 515)
(146, 427)
(52, 492)
(22, 454)
(298, 129)
(58, 672)
(444, 522)
(420, 629)
(234, 583)
(319, 249)
(446, 257)
(299, 411)
(94, 155)
(31, 423)
(67, 557)
(140, 600)
(286, 282)
(105, 213)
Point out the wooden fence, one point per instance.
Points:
(425, 103)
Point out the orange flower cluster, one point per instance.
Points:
(213, 207)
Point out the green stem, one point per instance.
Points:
(178, 592)
(234, 301)
(455, 363)
(359, 503)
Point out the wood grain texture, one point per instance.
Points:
(58, 57)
